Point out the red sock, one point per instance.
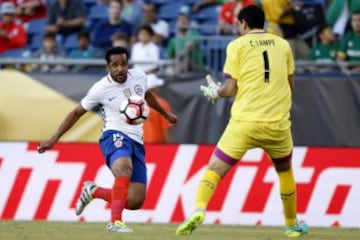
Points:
(105, 194)
(102, 193)
(118, 196)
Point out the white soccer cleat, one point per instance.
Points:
(85, 197)
(118, 226)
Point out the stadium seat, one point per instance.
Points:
(37, 26)
(14, 53)
(98, 12)
(49, 2)
(160, 2)
(191, 2)
(209, 27)
(71, 42)
(218, 42)
(170, 10)
(89, 4)
(172, 27)
(35, 42)
(214, 51)
(207, 13)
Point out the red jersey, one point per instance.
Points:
(39, 12)
(16, 37)
(230, 10)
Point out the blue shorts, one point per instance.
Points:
(115, 144)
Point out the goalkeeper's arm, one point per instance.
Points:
(228, 89)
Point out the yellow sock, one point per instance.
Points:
(288, 196)
(206, 189)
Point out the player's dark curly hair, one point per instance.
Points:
(116, 50)
(253, 15)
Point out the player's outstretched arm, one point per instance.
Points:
(66, 124)
(153, 103)
(213, 91)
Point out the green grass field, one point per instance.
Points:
(18, 230)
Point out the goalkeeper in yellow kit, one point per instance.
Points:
(259, 75)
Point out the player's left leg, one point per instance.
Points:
(287, 188)
(137, 188)
(280, 151)
(216, 170)
(118, 149)
(231, 147)
(121, 168)
(126, 194)
(283, 168)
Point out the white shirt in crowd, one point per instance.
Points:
(109, 94)
(145, 53)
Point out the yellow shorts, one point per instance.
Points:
(274, 137)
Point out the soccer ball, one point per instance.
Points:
(134, 110)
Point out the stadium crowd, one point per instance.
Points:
(324, 31)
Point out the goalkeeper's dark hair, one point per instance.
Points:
(253, 15)
(116, 50)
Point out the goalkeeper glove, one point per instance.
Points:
(211, 90)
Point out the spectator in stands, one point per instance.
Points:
(339, 12)
(228, 15)
(27, 10)
(326, 48)
(84, 49)
(132, 11)
(114, 24)
(145, 50)
(350, 45)
(186, 47)
(49, 51)
(66, 17)
(120, 40)
(12, 35)
(281, 21)
(160, 27)
(156, 130)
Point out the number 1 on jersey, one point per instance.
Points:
(266, 67)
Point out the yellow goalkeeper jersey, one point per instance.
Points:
(260, 63)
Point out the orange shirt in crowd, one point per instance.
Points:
(16, 37)
(156, 125)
